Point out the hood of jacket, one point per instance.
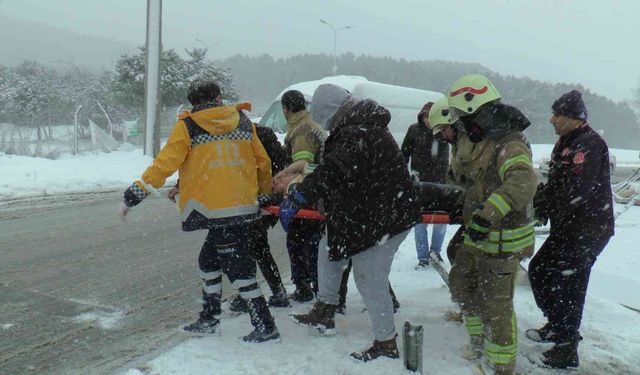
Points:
(217, 119)
(326, 101)
(498, 119)
(365, 113)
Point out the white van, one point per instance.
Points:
(404, 103)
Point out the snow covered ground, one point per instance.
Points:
(611, 344)
(611, 331)
(24, 176)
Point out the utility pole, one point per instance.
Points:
(152, 77)
(335, 42)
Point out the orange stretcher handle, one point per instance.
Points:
(427, 218)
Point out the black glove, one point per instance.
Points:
(478, 230)
(541, 205)
(540, 197)
(455, 215)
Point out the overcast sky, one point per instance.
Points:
(592, 42)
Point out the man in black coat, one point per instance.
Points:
(370, 207)
(429, 163)
(429, 155)
(577, 199)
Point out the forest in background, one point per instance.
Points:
(261, 78)
(37, 95)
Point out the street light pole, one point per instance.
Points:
(152, 77)
(335, 42)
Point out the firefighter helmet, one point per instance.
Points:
(469, 93)
(439, 115)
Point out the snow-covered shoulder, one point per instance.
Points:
(25, 176)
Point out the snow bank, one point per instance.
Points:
(24, 176)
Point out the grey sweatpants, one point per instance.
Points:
(371, 274)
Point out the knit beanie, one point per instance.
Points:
(571, 105)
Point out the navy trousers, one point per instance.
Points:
(226, 250)
(559, 275)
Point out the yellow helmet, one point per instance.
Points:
(470, 92)
(439, 115)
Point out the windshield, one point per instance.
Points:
(274, 118)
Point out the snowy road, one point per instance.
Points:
(83, 292)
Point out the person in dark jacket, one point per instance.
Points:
(259, 239)
(304, 143)
(429, 163)
(577, 199)
(367, 217)
(328, 103)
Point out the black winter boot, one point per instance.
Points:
(211, 305)
(321, 316)
(203, 326)
(207, 323)
(563, 355)
(544, 334)
(279, 299)
(387, 349)
(303, 292)
(238, 305)
(257, 336)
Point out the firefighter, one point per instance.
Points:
(578, 200)
(497, 212)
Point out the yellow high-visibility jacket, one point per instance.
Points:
(222, 167)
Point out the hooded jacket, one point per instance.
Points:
(326, 101)
(222, 168)
(497, 119)
(363, 181)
